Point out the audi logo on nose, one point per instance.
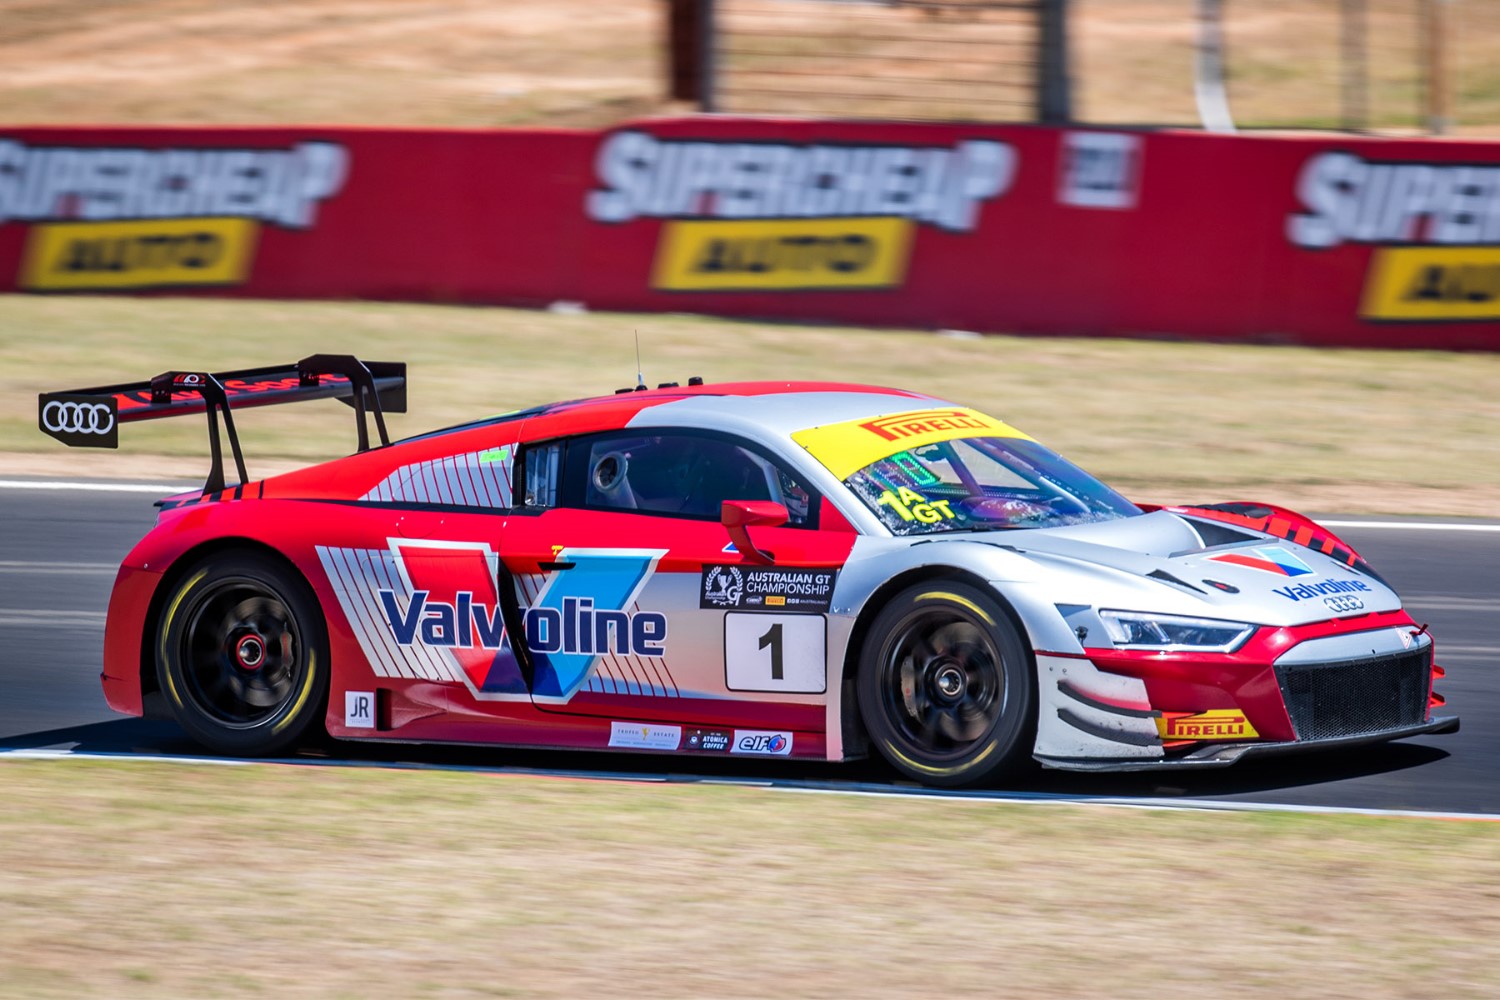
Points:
(81, 421)
(1343, 603)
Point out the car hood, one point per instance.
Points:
(1174, 564)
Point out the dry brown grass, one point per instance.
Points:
(1377, 431)
(149, 880)
(575, 62)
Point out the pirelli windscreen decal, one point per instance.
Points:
(847, 447)
(1435, 228)
(122, 217)
(756, 216)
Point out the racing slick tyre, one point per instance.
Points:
(946, 688)
(242, 654)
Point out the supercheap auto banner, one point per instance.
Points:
(1319, 240)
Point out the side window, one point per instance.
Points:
(543, 474)
(677, 474)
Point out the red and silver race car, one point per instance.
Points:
(783, 569)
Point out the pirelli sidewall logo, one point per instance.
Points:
(107, 218)
(752, 216)
(1435, 229)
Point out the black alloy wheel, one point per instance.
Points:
(242, 656)
(945, 686)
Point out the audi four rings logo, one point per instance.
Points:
(1344, 603)
(78, 418)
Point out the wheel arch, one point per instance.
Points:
(853, 726)
(169, 581)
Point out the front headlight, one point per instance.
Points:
(1143, 630)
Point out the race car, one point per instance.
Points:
(774, 569)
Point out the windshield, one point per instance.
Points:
(979, 483)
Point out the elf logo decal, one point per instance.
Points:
(762, 743)
(1273, 560)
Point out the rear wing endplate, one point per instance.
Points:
(91, 418)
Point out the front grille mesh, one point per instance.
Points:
(1354, 697)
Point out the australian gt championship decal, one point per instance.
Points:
(769, 588)
(431, 610)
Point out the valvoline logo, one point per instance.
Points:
(582, 613)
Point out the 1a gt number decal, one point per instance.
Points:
(913, 506)
(781, 653)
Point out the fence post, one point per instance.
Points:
(1436, 17)
(708, 64)
(1355, 64)
(1209, 88)
(1054, 97)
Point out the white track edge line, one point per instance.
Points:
(161, 489)
(1183, 805)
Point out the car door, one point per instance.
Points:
(638, 605)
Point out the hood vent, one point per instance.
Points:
(1165, 577)
(1215, 534)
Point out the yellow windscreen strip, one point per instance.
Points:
(847, 447)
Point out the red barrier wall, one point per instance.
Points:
(1347, 241)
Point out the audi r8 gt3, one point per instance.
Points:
(791, 569)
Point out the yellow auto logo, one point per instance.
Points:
(1433, 283)
(143, 253)
(743, 255)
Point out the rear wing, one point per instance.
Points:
(91, 418)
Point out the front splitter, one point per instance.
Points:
(1225, 754)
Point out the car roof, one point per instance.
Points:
(748, 407)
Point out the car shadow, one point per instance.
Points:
(155, 738)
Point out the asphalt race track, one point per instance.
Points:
(59, 549)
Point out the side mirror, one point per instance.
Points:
(738, 516)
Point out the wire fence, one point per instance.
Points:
(1366, 65)
(946, 59)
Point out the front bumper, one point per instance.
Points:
(1213, 755)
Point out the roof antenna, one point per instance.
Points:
(640, 379)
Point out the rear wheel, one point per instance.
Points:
(945, 686)
(242, 655)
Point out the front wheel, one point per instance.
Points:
(242, 654)
(945, 687)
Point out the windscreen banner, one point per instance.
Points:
(1300, 239)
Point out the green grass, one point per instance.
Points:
(166, 880)
(1174, 421)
